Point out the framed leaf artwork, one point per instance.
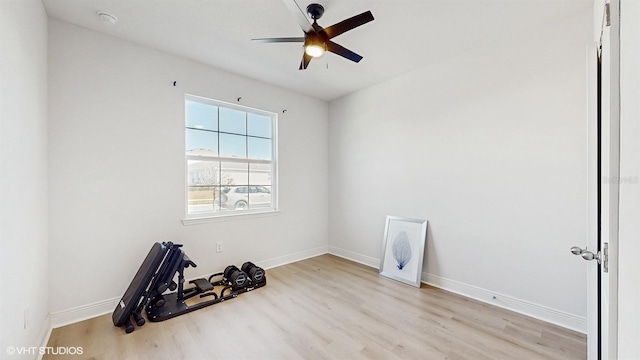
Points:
(403, 249)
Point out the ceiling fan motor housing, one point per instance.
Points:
(315, 11)
(315, 39)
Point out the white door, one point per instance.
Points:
(604, 164)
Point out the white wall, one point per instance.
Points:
(23, 174)
(629, 232)
(117, 167)
(490, 147)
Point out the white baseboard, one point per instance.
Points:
(44, 335)
(354, 256)
(288, 259)
(99, 308)
(553, 316)
(83, 312)
(544, 313)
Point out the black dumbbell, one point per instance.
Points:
(235, 276)
(256, 273)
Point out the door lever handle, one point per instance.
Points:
(586, 254)
(601, 256)
(577, 250)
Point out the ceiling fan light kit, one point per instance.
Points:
(317, 40)
(315, 50)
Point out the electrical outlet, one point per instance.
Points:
(219, 247)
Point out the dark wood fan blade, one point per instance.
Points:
(342, 51)
(348, 24)
(306, 59)
(299, 14)
(280, 40)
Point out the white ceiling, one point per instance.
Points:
(405, 34)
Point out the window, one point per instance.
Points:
(231, 158)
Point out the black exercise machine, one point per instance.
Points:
(148, 289)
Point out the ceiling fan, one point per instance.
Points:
(317, 39)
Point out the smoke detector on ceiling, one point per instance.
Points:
(107, 18)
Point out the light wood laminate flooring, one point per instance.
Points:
(330, 308)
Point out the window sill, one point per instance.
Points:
(229, 217)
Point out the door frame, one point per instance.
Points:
(596, 184)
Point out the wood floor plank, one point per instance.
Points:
(330, 308)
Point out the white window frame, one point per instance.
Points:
(197, 218)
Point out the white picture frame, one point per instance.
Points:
(403, 249)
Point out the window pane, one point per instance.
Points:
(259, 125)
(259, 148)
(200, 142)
(200, 198)
(235, 198)
(204, 190)
(233, 121)
(203, 172)
(203, 178)
(233, 146)
(260, 174)
(201, 116)
(234, 174)
(259, 196)
(235, 192)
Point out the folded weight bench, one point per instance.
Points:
(155, 277)
(129, 304)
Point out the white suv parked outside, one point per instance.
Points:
(241, 197)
